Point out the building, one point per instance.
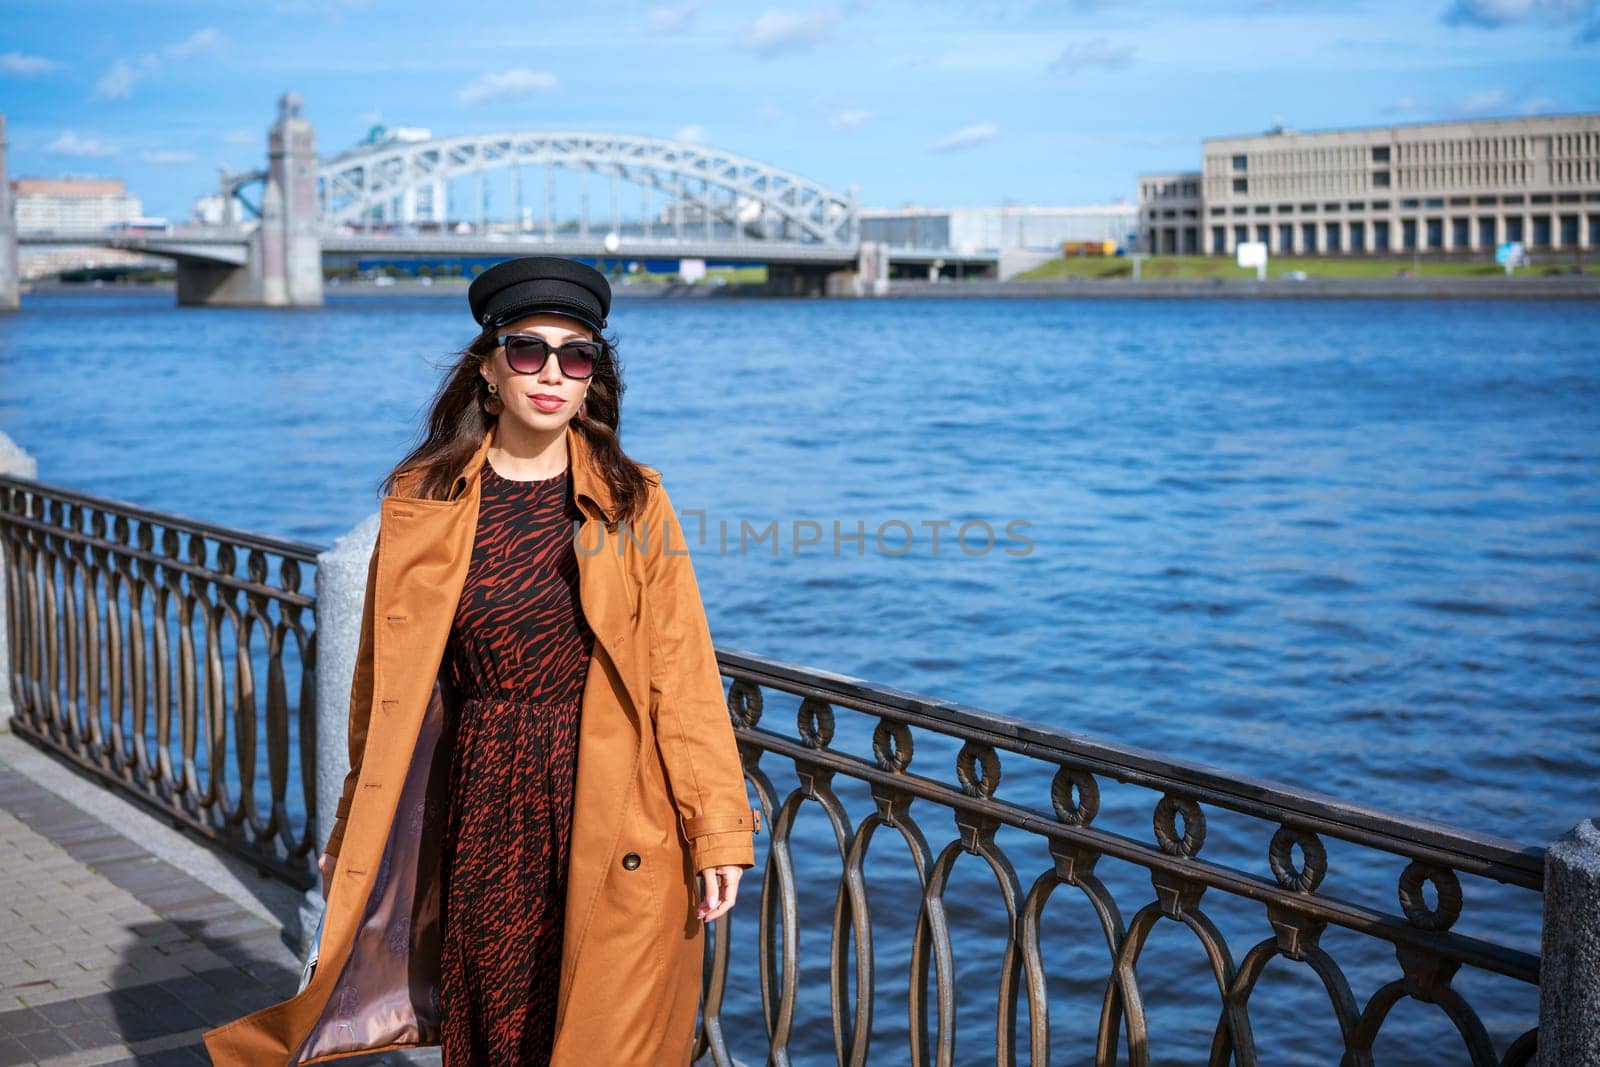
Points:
(1441, 188)
(999, 229)
(209, 210)
(1169, 213)
(1023, 236)
(73, 203)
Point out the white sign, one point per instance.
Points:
(1252, 254)
(691, 270)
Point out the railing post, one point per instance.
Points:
(1569, 973)
(341, 595)
(16, 462)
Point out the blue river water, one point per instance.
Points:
(1350, 545)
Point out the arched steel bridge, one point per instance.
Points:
(711, 194)
(696, 203)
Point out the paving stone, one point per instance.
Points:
(22, 1021)
(46, 1043)
(72, 1011)
(12, 1051)
(110, 954)
(90, 1033)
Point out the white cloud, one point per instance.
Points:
(1540, 105)
(202, 40)
(966, 137)
(1404, 105)
(20, 65)
(1492, 14)
(694, 133)
(164, 158)
(1095, 52)
(243, 136)
(1498, 14)
(1490, 100)
(508, 84)
(70, 144)
(118, 82)
(849, 118)
(775, 32)
(672, 18)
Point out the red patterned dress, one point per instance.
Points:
(517, 657)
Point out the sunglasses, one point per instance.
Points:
(526, 354)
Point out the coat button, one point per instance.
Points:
(631, 861)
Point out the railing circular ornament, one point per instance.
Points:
(1305, 878)
(977, 769)
(1075, 795)
(815, 722)
(892, 746)
(1445, 884)
(1193, 837)
(744, 703)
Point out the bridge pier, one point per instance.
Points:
(10, 282)
(283, 265)
(804, 279)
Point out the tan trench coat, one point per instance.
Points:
(660, 795)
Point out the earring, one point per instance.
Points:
(583, 407)
(494, 405)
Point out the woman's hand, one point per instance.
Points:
(719, 889)
(325, 864)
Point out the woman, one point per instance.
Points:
(543, 772)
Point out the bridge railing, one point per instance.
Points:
(172, 659)
(831, 740)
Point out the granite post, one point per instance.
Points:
(341, 596)
(10, 278)
(14, 461)
(1569, 968)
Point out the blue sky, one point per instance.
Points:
(935, 102)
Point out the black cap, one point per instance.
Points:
(531, 284)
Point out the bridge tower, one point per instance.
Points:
(292, 167)
(10, 285)
(283, 261)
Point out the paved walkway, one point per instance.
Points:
(111, 952)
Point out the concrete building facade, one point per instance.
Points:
(1169, 213)
(73, 204)
(1000, 228)
(1437, 188)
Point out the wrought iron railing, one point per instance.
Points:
(846, 733)
(170, 658)
(138, 645)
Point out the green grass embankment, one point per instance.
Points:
(1165, 267)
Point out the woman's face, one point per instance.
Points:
(546, 399)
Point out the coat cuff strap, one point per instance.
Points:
(700, 825)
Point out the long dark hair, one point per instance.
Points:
(457, 422)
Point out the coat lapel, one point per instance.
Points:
(606, 590)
